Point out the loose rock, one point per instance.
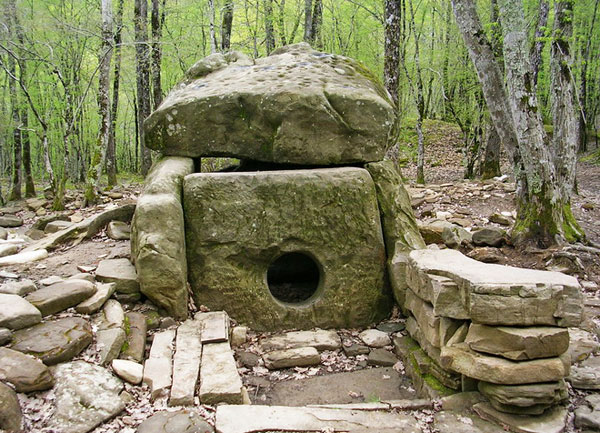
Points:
(17, 313)
(60, 296)
(24, 372)
(375, 338)
(118, 271)
(20, 288)
(129, 371)
(118, 230)
(10, 411)
(181, 421)
(299, 357)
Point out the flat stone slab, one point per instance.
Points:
(24, 372)
(24, 257)
(10, 410)
(503, 295)
(112, 316)
(129, 371)
(158, 368)
(86, 396)
(8, 249)
(215, 326)
(518, 343)
(118, 230)
(586, 375)
(532, 398)
(21, 288)
(299, 357)
(320, 339)
(60, 296)
(554, 420)
(109, 343)
(17, 313)
(381, 357)
(181, 421)
(247, 419)
(186, 363)
(219, 378)
(295, 106)
(97, 300)
(10, 221)
(581, 344)
(54, 341)
(56, 226)
(375, 338)
(136, 339)
(118, 271)
(493, 369)
(455, 422)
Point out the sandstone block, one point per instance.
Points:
(24, 372)
(219, 378)
(299, 357)
(186, 363)
(158, 368)
(320, 339)
(17, 313)
(118, 271)
(97, 300)
(130, 371)
(60, 296)
(375, 338)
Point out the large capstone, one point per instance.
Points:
(287, 249)
(297, 106)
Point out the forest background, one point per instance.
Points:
(79, 76)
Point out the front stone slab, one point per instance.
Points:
(287, 249)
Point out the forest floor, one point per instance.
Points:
(446, 194)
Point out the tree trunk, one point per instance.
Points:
(392, 44)
(95, 168)
(490, 166)
(538, 42)
(142, 77)
(583, 86)
(308, 26)
(269, 36)
(317, 22)
(226, 26)
(281, 23)
(156, 21)
(213, 37)
(29, 184)
(111, 151)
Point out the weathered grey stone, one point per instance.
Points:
(239, 334)
(489, 237)
(455, 236)
(158, 237)
(186, 363)
(552, 421)
(56, 226)
(461, 401)
(320, 339)
(118, 230)
(390, 327)
(247, 419)
(460, 422)
(20, 288)
(215, 326)
(129, 371)
(381, 357)
(54, 341)
(97, 300)
(136, 338)
(428, 322)
(356, 349)
(248, 359)
(432, 232)
(586, 375)
(3, 233)
(10, 221)
(581, 344)
(113, 315)
(17, 313)
(518, 343)
(118, 271)
(24, 372)
(219, 378)
(502, 295)
(109, 343)
(531, 398)
(299, 357)
(86, 395)
(588, 414)
(442, 292)
(40, 223)
(502, 371)
(181, 421)
(375, 338)
(52, 279)
(24, 257)
(8, 249)
(10, 411)
(158, 368)
(5, 336)
(343, 238)
(60, 296)
(295, 106)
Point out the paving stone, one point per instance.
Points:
(158, 368)
(356, 349)
(382, 357)
(56, 226)
(588, 414)
(186, 363)
(17, 313)
(319, 339)
(247, 419)
(86, 396)
(60, 296)
(20, 288)
(239, 334)
(375, 338)
(460, 422)
(97, 300)
(54, 341)
(109, 343)
(586, 375)
(581, 344)
(181, 421)
(219, 378)
(118, 271)
(298, 357)
(215, 326)
(552, 421)
(493, 369)
(518, 343)
(24, 372)
(136, 338)
(10, 221)
(113, 315)
(10, 410)
(8, 249)
(5, 336)
(130, 371)
(118, 230)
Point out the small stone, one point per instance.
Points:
(299, 357)
(24, 372)
(53, 279)
(498, 218)
(459, 422)
(109, 343)
(10, 221)
(382, 357)
(8, 249)
(24, 257)
(35, 234)
(356, 349)
(552, 421)
(181, 421)
(489, 236)
(118, 230)
(56, 226)
(586, 375)
(3, 233)
(113, 315)
(461, 401)
(319, 339)
(129, 371)
(238, 335)
(17, 313)
(136, 338)
(119, 271)
(215, 326)
(86, 269)
(375, 338)
(167, 322)
(432, 232)
(10, 410)
(248, 359)
(581, 345)
(486, 254)
(9, 275)
(5, 336)
(60, 296)
(20, 288)
(76, 218)
(97, 300)
(82, 276)
(390, 327)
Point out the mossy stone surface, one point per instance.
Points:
(237, 224)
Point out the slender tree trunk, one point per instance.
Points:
(111, 149)
(213, 37)
(156, 21)
(490, 167)
(226, 26)
(269, 36)
(308, 25)
(95, 168)
(143, 78)
(317, 23)
(392, 44)
(538, 42)
(281, 23)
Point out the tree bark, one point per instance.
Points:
(226, 26)
(269, 36)
(111, 150)
(392, 44)
(538, 42)
(156, 21)
(317, 22)
(142, 77)
(490, 167)
(308, 26)
(281, 23)
(213, 37)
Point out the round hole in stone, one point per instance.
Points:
(293, 277)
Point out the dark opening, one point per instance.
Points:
(293, 277)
